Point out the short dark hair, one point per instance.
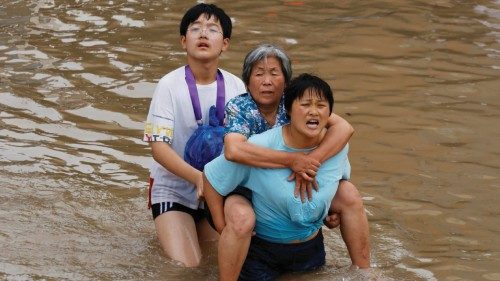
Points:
(299, 85)
(210, 10)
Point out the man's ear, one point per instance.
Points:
(183, 42)
(225, 44)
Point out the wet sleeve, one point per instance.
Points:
(160, 120)
(225, 175)
(346, 173)
(338, 166)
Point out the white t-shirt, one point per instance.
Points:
(171, 119)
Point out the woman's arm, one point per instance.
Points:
(238, 149)
(304, 167)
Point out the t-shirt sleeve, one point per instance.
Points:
(225, 175)
(235, 121)
(346, 174)
(337, 167)
(160, 120)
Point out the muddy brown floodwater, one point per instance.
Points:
(419, 81)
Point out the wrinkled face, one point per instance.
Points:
(267, 82)
(204, 39)
(309, 114)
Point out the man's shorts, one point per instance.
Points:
(240, 190)
(267, 260)
(163, 207)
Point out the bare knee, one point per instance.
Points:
(240, 218)
(348, 196)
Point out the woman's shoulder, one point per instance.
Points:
(337, 160)
(243, 103)
(241, 99)
(271, 138)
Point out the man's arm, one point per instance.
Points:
(337, 135)
(215, 204)
(168, 158)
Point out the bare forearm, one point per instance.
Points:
(253, 155)
(338, 134)
(170, 160)
(215, 203)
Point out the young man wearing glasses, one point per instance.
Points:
(179, 218)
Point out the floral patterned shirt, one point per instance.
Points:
(243, 116)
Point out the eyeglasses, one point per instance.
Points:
(209, 31)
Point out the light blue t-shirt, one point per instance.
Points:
(280, 217)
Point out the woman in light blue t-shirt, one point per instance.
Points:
(288, 232)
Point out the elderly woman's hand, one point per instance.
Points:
(303, 187)
(304, 172)
(304, 165)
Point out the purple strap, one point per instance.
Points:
(195, 100)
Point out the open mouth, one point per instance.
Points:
(312, 124)
(203, 45)
(267, 91)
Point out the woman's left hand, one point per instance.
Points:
(303, 187)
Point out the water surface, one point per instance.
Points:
(419, 81)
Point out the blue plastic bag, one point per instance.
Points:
(206, 143)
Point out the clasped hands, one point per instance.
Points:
(304, 169)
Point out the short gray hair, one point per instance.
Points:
(264, 51)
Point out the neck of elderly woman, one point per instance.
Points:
(269, 112)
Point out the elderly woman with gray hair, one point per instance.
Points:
(266, 72)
